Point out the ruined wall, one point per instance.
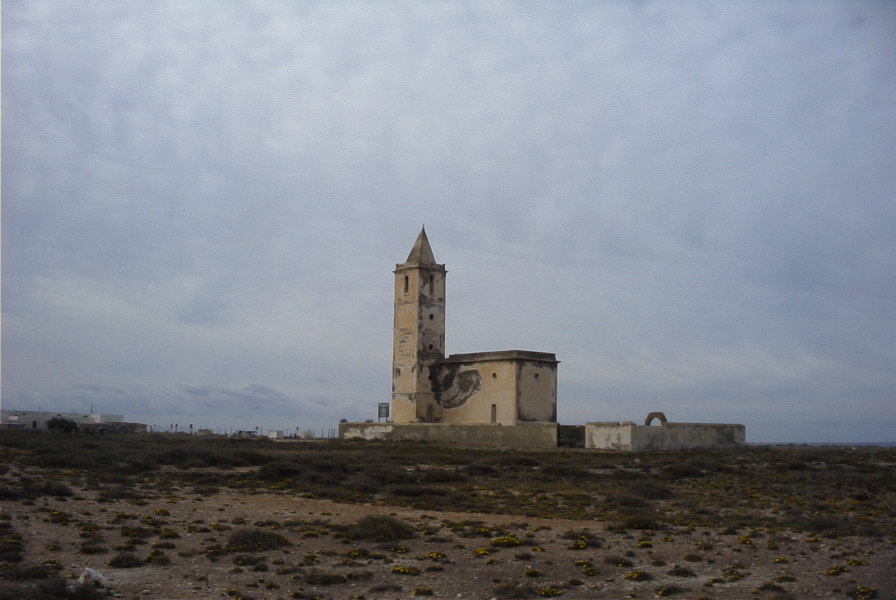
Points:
(670, 436)
(365, 431)
(609, 436)
(535, 435)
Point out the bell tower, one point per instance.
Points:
(418, 334)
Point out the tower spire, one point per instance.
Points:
(421, 253)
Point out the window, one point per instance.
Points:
(494, 413)
(406, 284)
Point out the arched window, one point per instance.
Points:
(494, 413)
(406, 281)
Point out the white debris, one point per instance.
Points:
(94, 577)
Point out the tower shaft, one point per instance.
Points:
(418, 334)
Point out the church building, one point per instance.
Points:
(506, 398)
(508, 387)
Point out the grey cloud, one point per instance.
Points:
(681, 201)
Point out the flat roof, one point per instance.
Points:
(503, 355)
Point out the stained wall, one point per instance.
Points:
(670, 436)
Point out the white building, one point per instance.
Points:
(33, 419)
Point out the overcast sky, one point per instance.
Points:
(691, 204)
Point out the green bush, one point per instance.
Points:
(11, 547)
(514, 591)
(125, 560)
(583, 538)
(679, 571)
(54, 588)
(255, 540)
(280, 469)
(640, 522)
(627, 502)
(670, 590)
(442, 476)
(33, 490)
(32, 572)
(649, 490)
(417, 490)
(380, 528)
(322, 578)
(479, 469)
(93, 548)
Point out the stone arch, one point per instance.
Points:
(656, 415)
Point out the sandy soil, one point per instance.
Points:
(549, 560)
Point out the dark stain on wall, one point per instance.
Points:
(452, 387)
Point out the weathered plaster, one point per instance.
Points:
(534, 435)
(668, 436)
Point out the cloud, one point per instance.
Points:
(690, 202)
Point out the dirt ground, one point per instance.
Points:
(454, 555)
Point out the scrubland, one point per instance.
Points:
(170, 516)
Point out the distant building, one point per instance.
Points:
(93, 422)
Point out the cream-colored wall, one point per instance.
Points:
(403, 408)
(498, 388)
(609, 436)
(522, 391)
(537, 396)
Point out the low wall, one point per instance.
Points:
(529, 435)
(670, 436)
(365, 431)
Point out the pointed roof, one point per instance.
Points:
(421, 253)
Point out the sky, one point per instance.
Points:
(690, 203)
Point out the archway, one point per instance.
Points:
(656, 415)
